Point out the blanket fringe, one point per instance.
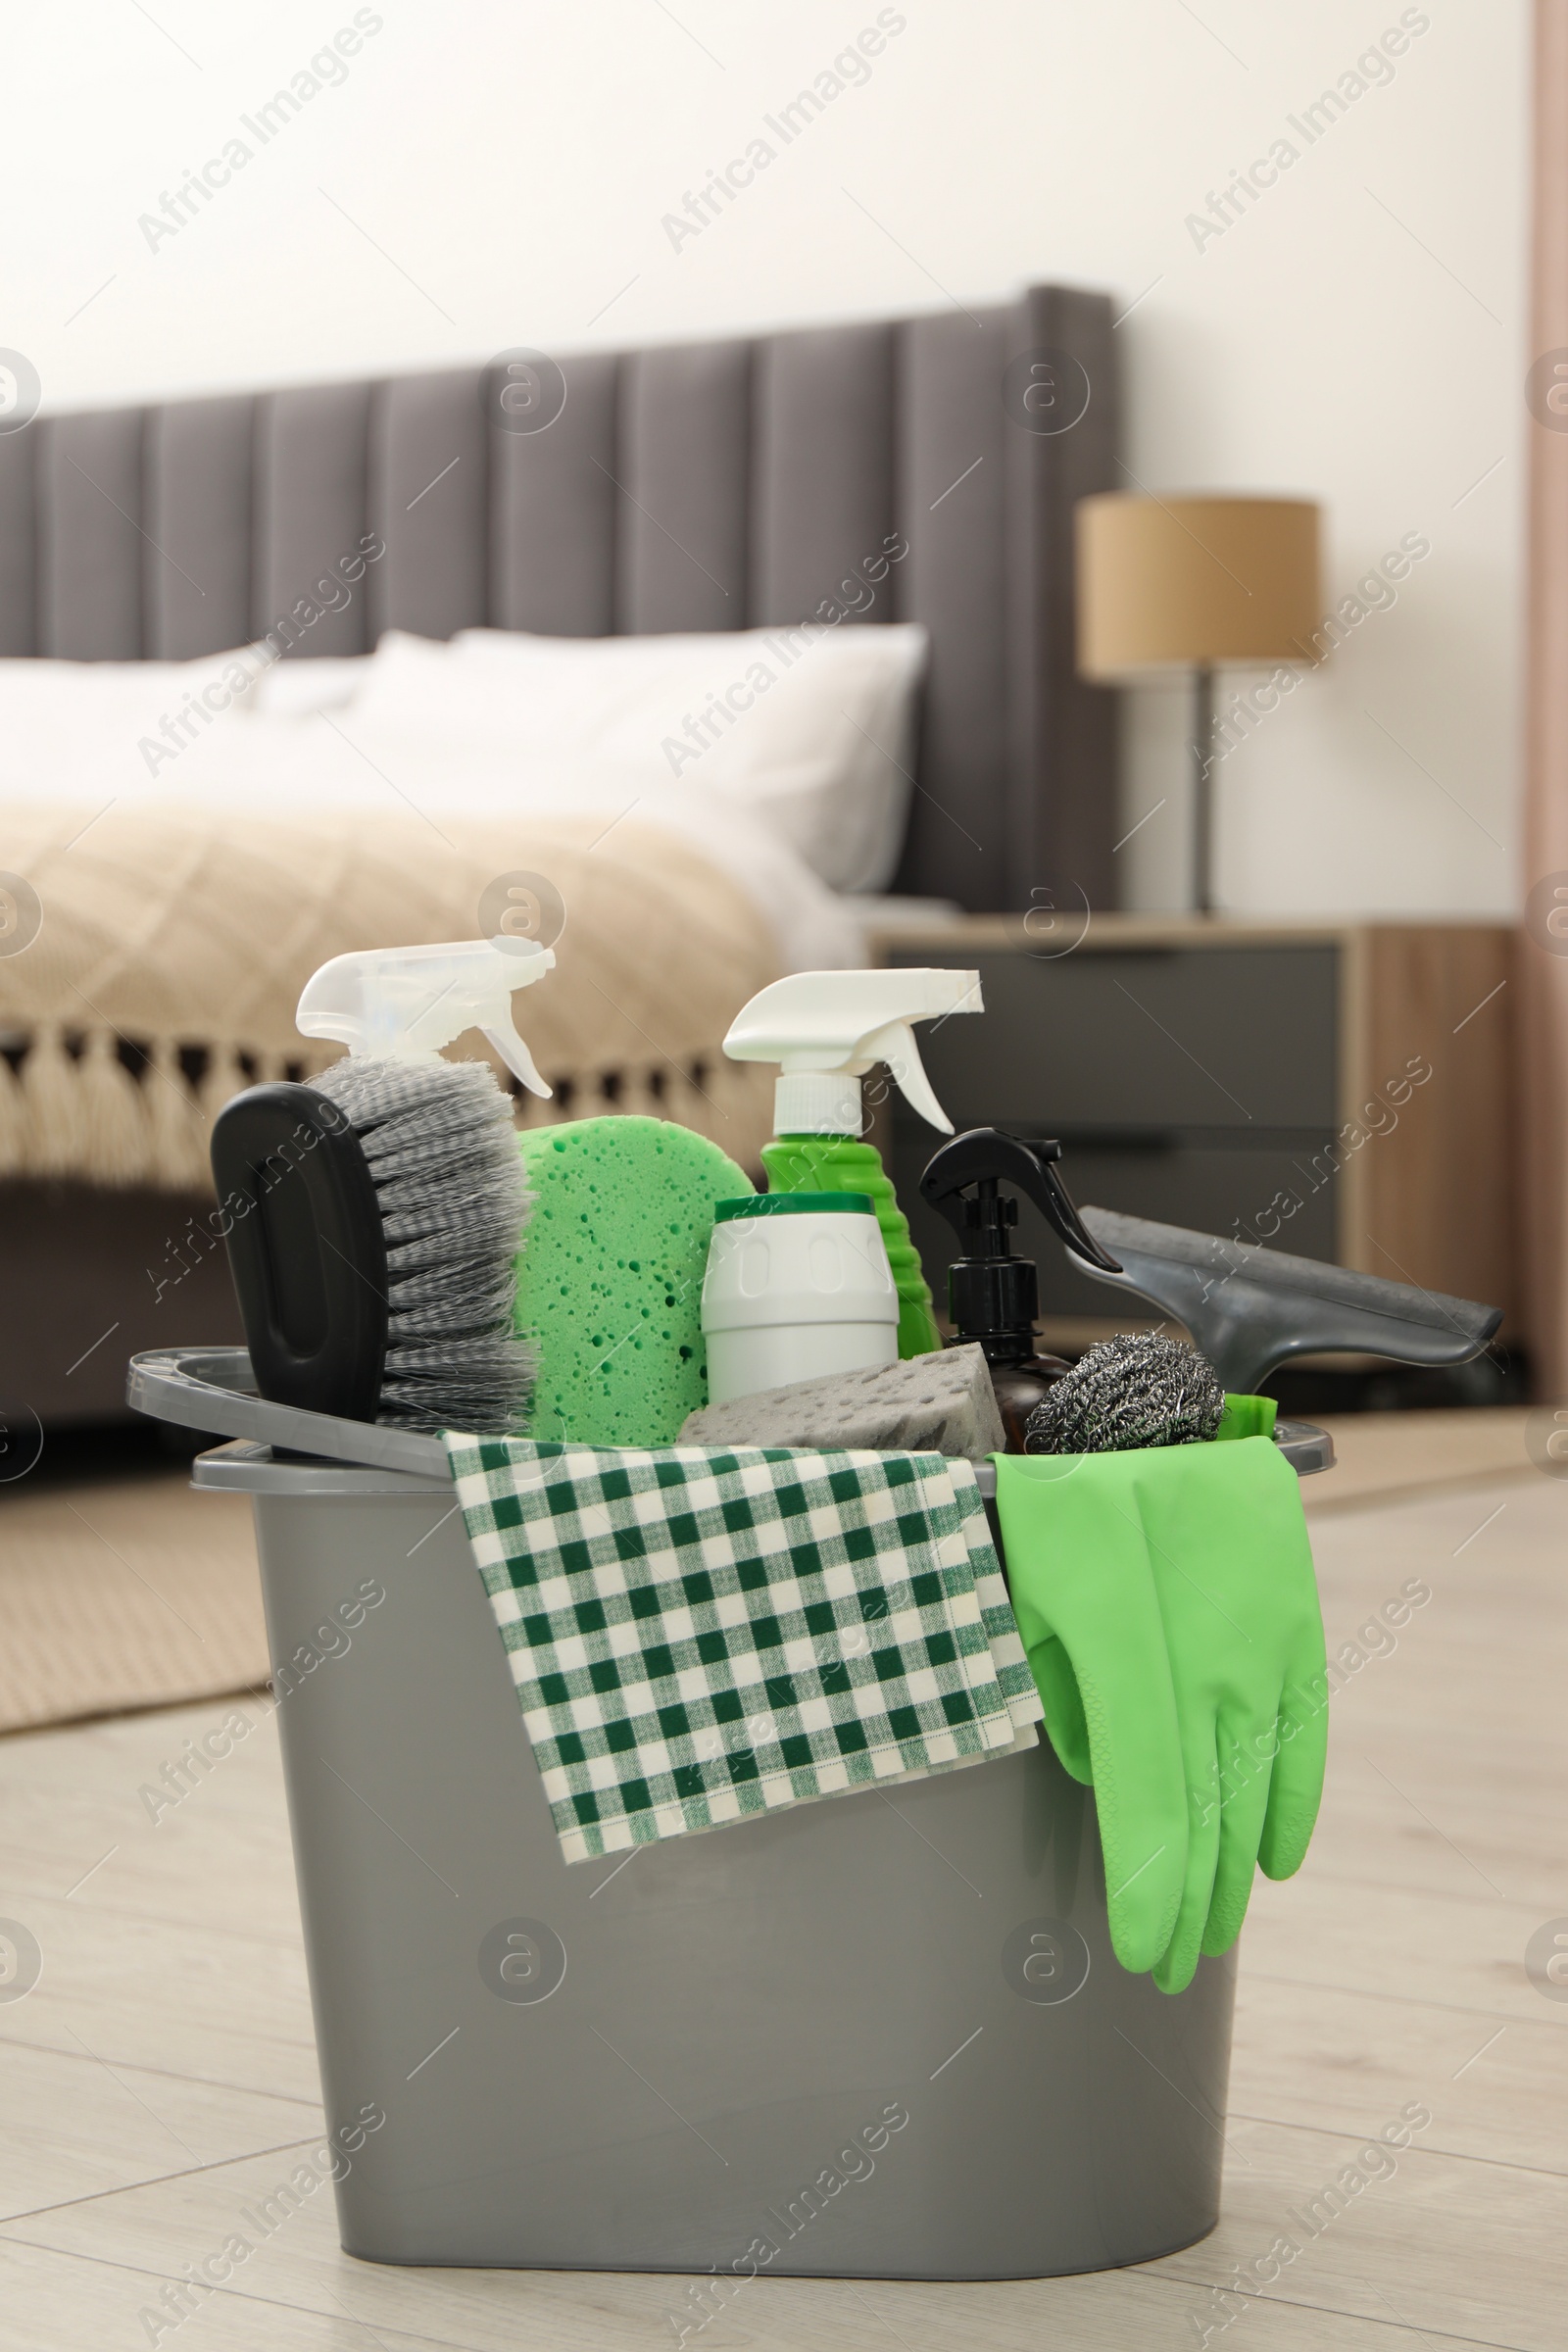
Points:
(177, 1154)
(222, 1079)
(13, 1120)
(55, 1137)
(76, 1109)
(113, 1125)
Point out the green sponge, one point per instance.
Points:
(609, 1279)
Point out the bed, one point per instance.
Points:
(877, 472)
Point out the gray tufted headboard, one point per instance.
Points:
(707, 486)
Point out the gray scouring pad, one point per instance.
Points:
(929, 1404)
(1139, 1389)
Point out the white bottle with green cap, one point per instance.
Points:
(823, 1031)
(798, 1285)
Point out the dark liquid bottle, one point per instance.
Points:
(1019, 1387)
(992, 1296)
(993, 1299)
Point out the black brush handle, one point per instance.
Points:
(1249, 1310)
(306, 1249)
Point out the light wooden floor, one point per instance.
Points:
(152, 2082)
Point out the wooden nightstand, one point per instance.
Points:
(1340, 1089)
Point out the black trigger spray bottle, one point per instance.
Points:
(992, 1296)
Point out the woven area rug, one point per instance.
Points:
(123, 1592)
(1384, 1457)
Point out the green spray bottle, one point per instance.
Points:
(824, 1030)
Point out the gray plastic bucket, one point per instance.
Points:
(880, 2035)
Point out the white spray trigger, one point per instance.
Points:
(894, 1045)
(824, 1030)
(515, 1053)
(405, 1003)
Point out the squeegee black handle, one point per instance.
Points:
(1248, 1308)
(306, 1249)
(983, 1151)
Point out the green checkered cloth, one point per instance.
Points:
(698, 1635)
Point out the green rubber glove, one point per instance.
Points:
(1168, 1606)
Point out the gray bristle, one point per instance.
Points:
(443, 1154)
(1139, 1389)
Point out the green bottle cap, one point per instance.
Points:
(794, 1204)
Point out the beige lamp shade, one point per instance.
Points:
(1194, 583)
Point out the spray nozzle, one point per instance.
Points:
(826, 1029)
(986, 1157)
(994, 1296)
(406, 1003)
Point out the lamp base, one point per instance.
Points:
(1203, 754)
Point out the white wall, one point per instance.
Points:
(496, 173)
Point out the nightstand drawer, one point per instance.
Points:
(1161, 1038)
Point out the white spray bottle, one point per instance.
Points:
(825, 1030)
(405, 1003)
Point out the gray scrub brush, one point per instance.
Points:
(375, 1216)
(1139, 1389)
(442, 1154)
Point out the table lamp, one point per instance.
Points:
(1196, 584)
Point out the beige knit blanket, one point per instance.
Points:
(173, 945)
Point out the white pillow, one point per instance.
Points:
(132, 717)
(301, 688)
(810, 728)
